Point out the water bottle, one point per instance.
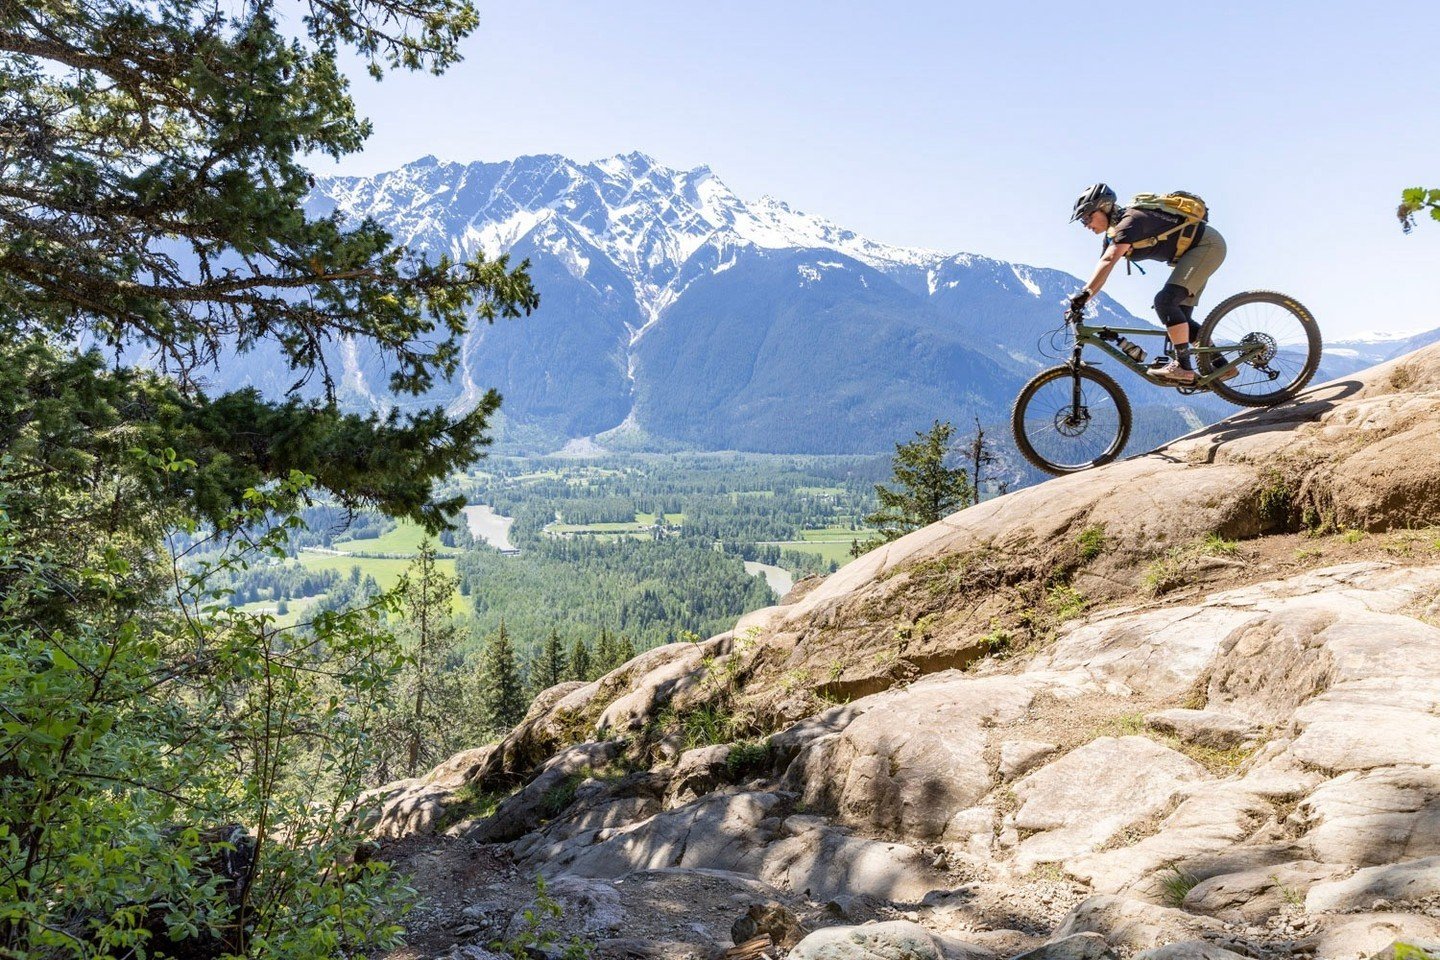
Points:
(1131, 349)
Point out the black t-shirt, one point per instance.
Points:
(1137, 224)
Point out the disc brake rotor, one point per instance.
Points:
(1071, 423)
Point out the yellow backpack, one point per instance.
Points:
(1179, 203)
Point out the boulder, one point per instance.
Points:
(1208, 728)
(405, 808)
(1253, 895)
(1375, 817)
(544, 796)
(1080, 801)
(823, 862)
(893, 940)
(592, 904)
(1133, 925)
(697, 772)
(973, 830)
(1396, 883)
(652, 679)
(579, 825)
(722, 832)
(914, 758)
(1078, 946)
(419, 805)
(1343, 936)
(1190, 950)
(1019, 757)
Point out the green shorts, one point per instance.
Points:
(1195, 267)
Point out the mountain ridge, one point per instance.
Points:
(630, 258)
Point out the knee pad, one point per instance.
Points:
(1167, 304)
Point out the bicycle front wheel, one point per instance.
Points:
(1273, 342)
(1067, 419)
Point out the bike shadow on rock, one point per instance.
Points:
(1308, 407)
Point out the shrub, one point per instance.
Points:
(1090, 542)
(747, 758)
(1276, 501)
(538, 936)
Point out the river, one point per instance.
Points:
(779, 578)
(487, 525)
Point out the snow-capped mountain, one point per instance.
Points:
(675, 312)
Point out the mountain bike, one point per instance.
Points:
(1255, 349)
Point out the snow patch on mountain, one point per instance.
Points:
(647, 219)
(1024, 277)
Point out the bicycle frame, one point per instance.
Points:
(1104, 338)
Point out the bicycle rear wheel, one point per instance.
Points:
(1067, 420)
(1277, 338)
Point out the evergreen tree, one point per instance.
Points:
(550, 666)
(430, 708)
(143, 208)
(152, 204)
(624, 651)
(581, 661)
(502, 703)
(606, 650)
(926, 489)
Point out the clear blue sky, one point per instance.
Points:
(972, 127)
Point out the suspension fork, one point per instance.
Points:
(1075, 399)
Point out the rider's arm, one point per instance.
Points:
(1112, 255)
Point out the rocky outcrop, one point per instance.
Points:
(1220, 749)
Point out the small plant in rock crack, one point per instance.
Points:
(1090, 542)
(1176, 885)
(538, 930)
(1292, 896)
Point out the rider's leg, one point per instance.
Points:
(1177, 325)
(1189, 312)
(1192, 272)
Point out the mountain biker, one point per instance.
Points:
(1175, 303)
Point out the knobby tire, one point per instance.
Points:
(1104, 382)
(1227, 390)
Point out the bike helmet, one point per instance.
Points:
(1096, 197)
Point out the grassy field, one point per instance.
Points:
(406, 539)
(833, 534)
(674, 519)
(386, 572)
(828, 543)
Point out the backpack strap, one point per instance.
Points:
(1188, 230)
(1128, 262)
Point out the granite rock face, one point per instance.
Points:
(1167, 742)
